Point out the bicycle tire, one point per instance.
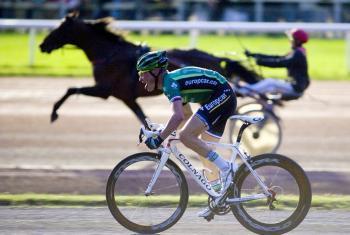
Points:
(125, 181)
(252, 105)
(259, 139)
(288, 172)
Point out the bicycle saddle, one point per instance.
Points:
(248, 119)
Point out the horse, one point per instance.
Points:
(231, 69)
(114, 61)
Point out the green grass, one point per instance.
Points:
(326, 57)
(327, 201)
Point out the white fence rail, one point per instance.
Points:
(205, 26)
(194, 28)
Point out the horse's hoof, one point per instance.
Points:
(54, 117)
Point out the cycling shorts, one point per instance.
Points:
(215, 112)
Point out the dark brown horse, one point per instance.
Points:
(114, 62)
(231, 69)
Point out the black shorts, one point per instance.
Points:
(215, 112)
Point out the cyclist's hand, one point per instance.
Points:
(154, 142)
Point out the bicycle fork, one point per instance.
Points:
(163, 159)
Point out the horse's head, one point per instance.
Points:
(66, 33)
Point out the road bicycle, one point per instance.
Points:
(267, 135)
(148, 193)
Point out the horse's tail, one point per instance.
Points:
(236, 69)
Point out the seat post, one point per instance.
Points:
(240, 133)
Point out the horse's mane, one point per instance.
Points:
(100, 26)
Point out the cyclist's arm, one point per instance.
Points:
(187, 112)
(175, 120)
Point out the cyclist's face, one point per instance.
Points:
(147, 79)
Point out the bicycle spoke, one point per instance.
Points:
(152, 213)
(290, 195)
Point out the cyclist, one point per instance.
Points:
(192, 85)
(295, 62)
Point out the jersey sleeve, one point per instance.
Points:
(171, 89)
(276, 62)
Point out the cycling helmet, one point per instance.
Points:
(152, 60)
(298, 35)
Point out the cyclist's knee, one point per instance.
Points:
(183, 137)
(186, 138)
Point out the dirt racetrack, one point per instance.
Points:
(99, 221)
(92, 135)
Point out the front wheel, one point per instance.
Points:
(290, 190)
(142, 213)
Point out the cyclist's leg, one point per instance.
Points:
(212, 174)
(190, 133)
(211, 117)
(189, 137)
(193, 130)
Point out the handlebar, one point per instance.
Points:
(150, 129)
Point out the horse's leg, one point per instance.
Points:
(95, 91)
(57, 105)
(135, 107)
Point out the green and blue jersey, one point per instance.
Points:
(192, 84)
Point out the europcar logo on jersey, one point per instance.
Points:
(201, 81)
(215, 102)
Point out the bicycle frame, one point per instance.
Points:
(171, 148)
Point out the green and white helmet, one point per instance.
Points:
(152, 60)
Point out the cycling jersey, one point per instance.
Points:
(207, 87)
(192, 84)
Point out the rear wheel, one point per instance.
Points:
(288, 184)
(249, 106)
(142, 213)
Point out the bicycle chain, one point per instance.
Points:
(218, 210)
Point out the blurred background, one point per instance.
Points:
(76, 154)
(87, 138)
(212, 10)
(326, 24)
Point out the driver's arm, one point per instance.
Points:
(175, 120)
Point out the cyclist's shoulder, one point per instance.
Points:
(193, 73)
(170, 82)
(185, 72)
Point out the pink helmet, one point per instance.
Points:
(298, 35)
